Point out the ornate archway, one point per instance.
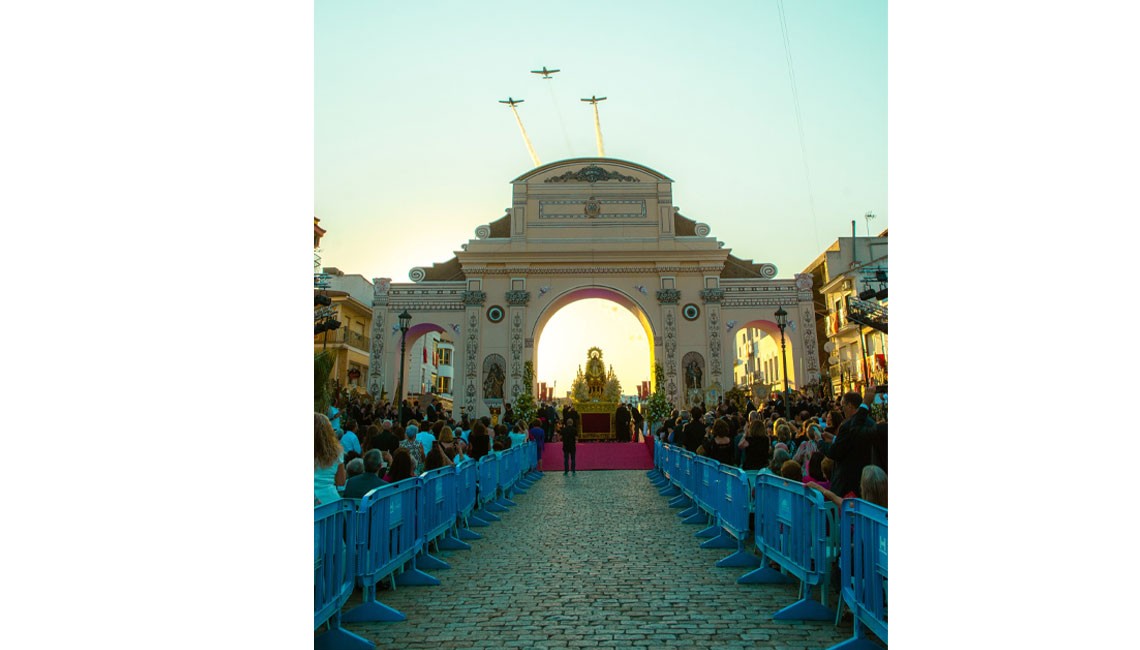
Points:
(591, 227)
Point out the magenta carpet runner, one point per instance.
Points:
(600, 455)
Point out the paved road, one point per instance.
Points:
(569, 568)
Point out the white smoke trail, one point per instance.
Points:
(598, 132)
(526, 138)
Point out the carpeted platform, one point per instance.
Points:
(600, 455)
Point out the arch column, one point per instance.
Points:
(668, 299)
(808, 363)
(517, 300)
(376, 365)
(473, 300)
(712, 299)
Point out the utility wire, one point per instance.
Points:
(799, 118)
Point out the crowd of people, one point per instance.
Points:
(362, 444)
(835, 446)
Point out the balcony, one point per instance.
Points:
(344, 337)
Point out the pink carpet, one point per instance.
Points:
(600, 455)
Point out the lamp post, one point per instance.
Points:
(782, 322)
(405, 320)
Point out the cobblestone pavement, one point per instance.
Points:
(596, 560)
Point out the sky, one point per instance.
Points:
(413, 150)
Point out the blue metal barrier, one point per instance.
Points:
(488, 472)
(685, 479)
(387, 540)
(505, 477)
(437, 510)
(794, 526)
(673, 466)
(334, 570)
(863, 571)
(466, 485)
(703, 471)
(733, 499)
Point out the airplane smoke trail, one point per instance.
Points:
(526, 138)
(598, 132)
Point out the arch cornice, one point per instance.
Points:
(549, 167)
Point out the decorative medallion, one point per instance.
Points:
(495, 313)
(591, 174)
(593, 207)
(691, 312)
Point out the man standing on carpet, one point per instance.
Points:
(570, 447)
(621, 423)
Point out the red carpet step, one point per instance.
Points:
(600, 455)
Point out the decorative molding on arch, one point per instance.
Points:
(592, 174)
(668, 296)
(475, 270)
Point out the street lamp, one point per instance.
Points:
(405, 320)
(782, 322)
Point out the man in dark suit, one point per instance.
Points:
(360, 485)
(852, 445)
(694, 432)
(621, 423)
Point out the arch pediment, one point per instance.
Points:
(592, 170)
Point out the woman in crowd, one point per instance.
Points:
(401, 467)
(872, 484)
(448, 443)
(755, 446)
(480, 441)
(436, 458)
(502, 440)
(780, 457)
(813, 471)
(809, 443)
(414, 448)
(328, 461)
(719, 447)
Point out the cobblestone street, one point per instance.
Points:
(596, 560)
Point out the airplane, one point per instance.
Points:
(511, 101)
(544, 72)
(594, 100)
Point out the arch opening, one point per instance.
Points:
(633, 356)
(761, 358)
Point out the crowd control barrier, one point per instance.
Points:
(672, 469)
(733, 504)
(863, 571)
(488, 482)
(387, 541)
(510, 469)
(466, 484)
(334, 532)
(684, 479)
(438, 508)
(657, 474)
(796, 527)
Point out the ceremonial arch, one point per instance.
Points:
(590, 228)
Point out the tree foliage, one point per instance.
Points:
(322, 389)
(525, 406)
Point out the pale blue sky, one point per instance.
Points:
(413, 150)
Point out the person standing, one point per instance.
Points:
(328, 461)
(621, 423)
(570, 447)
(538, 436)
(852, 445)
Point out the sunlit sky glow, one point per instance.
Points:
(413, 150)
(577, 327)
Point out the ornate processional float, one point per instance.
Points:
(596, 395)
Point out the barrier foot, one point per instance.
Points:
(689, 512)
(720, 541)
(413, 577)
(697, 517)
(857, 642)
(504, 502)
(679, 500)
(519, 488)
(805, 610)
(670, 491)
(339, 638)
(660, 482)
(741, 558)
(492, 506)
(764, 576)
(429, 561)
(467, 533)
(449, 543)
(711, 531)
(373, 611)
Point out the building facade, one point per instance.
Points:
(589, 228)
(351, 343)
(853, 351)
